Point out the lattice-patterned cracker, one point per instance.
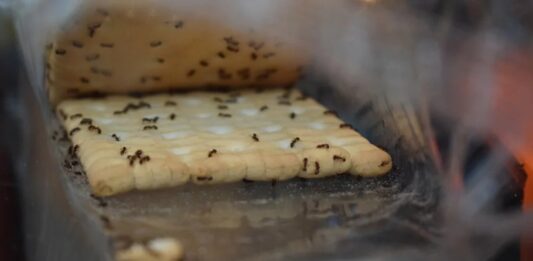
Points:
(165, 140)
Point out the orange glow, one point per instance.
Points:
(513, 111)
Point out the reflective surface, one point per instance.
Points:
(338, 217)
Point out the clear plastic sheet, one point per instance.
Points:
(374, 61)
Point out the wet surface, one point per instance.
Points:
(336, 217)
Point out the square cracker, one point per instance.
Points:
(165, 140)
(117, 47)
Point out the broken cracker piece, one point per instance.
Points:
(158, 249)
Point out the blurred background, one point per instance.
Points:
(10, 229)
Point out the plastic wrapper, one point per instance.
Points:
(372, 62)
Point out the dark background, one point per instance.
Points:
(10, 228)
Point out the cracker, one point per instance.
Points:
(166, 140)
(158, 249)
(116, 46)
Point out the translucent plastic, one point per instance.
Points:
(380, 66)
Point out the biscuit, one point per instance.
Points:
(158, 249)
(118, 47)
(166, 140)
